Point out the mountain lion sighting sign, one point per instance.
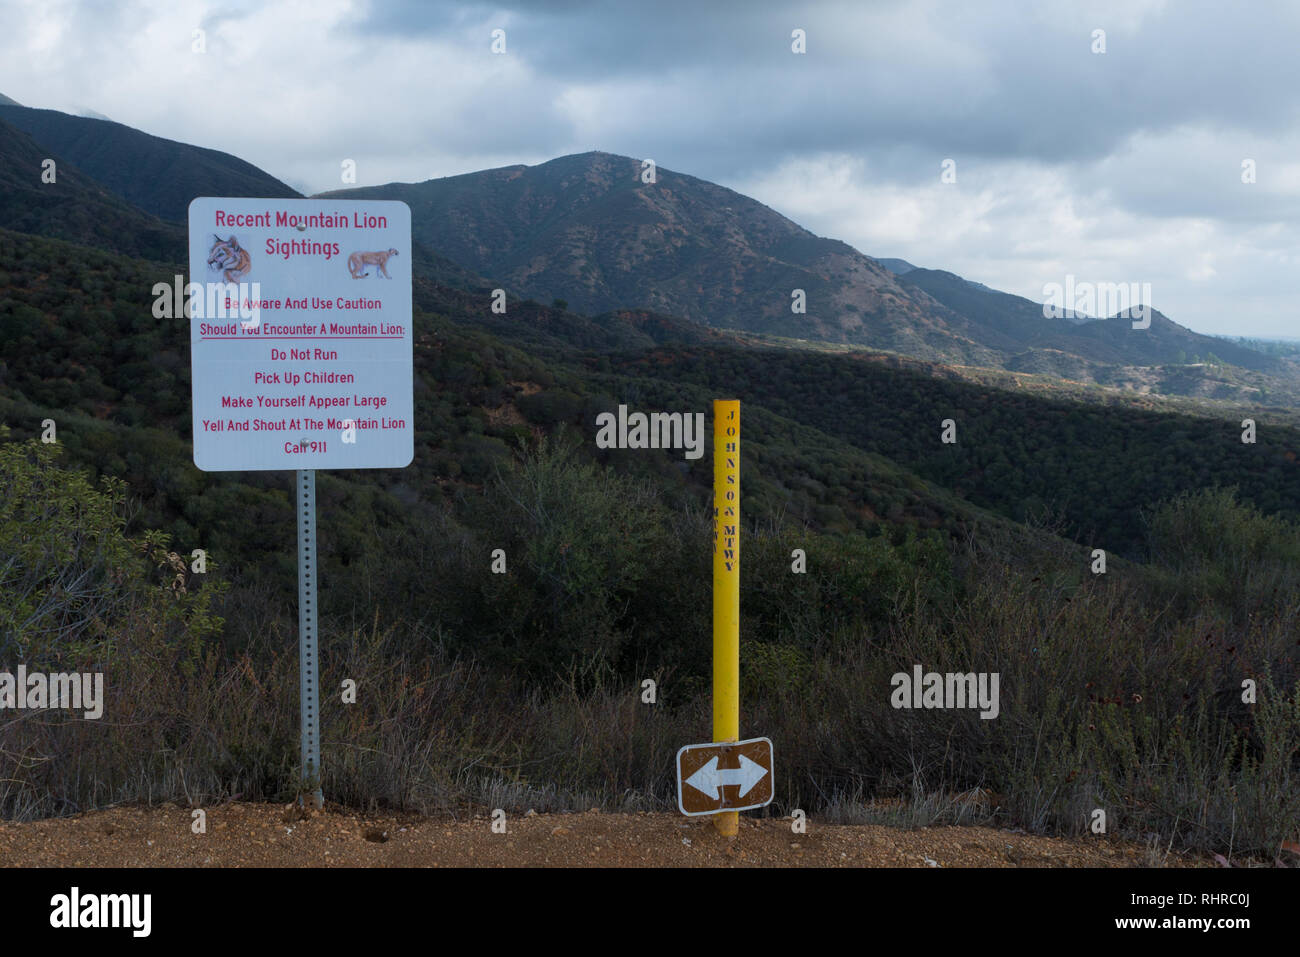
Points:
(300, 333)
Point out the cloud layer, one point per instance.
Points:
(1116, 166)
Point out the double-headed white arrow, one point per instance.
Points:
(708, 779)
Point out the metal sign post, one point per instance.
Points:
(308, 685)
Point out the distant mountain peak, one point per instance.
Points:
(591, 229)
(7, 101)
(899, 267)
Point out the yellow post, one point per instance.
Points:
(726, 584)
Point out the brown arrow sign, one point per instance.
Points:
(724, 776)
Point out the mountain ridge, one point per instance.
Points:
(74, 206)
(588, 230)
(158, 175)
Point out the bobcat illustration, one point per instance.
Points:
(358, 262)
(230, 257)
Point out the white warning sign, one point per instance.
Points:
(300, 331)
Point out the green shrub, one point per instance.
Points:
(71, 580)
(1206, 545)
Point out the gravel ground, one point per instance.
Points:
(261, 835)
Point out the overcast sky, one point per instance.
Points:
(1123, 166)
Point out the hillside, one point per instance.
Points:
(557, 331)
(75, 207)
(586, 229)
(136, 199)
(1093, 468)
(552, 200)
(81, 339)
(827, 433)
(1164, 359)
(156, 175)
(1108, 340)
(899, 267)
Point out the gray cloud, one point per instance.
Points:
(1126, 164)
(946, 77)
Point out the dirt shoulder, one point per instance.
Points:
(260, 835)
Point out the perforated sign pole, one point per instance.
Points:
(308, 692)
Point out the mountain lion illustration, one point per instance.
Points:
(230, 257)
(358, 262)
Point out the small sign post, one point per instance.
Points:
(707, 773)
(301, 359)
